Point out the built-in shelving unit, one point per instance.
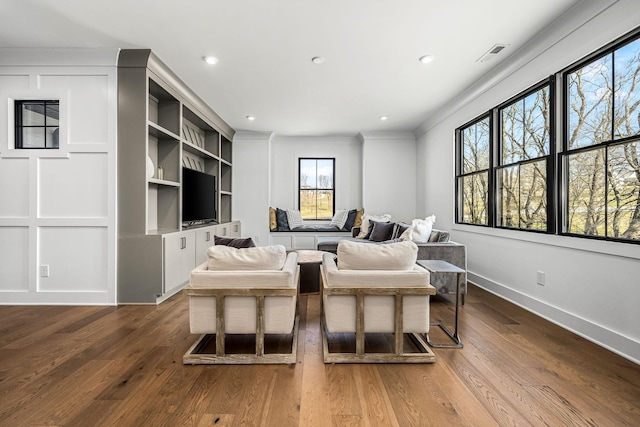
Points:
(164, 126)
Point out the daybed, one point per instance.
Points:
(287, 228)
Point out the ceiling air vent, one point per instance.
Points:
(496, 49)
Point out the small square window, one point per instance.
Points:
(37, 124)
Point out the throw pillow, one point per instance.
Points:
(281, 219)
(364, 228)
(294, 218)
(339, 218)
(226, 258)
(439, 236)
(380, 231)
(273, 223)
(358, 220)
(444, 237)
(366, 256)
(351, 220)
(420, 230)
(399, 228)
(234, 243)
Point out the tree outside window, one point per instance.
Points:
(473, 182)
(525, 138)
(602, 153)
(316, 188)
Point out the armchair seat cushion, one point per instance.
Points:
(240, 315)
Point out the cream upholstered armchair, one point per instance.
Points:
(376, 289)
(243, 291)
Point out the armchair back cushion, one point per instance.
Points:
(363, 256)
(227, 258)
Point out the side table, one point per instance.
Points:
(439, 266)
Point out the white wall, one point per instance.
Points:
(591, 286)
(251, 178)
(285, 152)
(374, 170)
(389, 174)
(57, 207)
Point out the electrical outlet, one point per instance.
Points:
(540, 278)
(44, 270)
(256, 239)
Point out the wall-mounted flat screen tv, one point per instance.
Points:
(198, 197)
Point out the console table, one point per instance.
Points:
(439, 266)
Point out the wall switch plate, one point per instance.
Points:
(540, 278)
(44, 270)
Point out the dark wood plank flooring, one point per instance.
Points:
(122, 366)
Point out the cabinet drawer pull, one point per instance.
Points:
(183, 242)
(208, 236)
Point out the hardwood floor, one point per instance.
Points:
(97, 366)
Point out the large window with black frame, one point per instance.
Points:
(523, 193)
(472, 169)
(601, 154)
(316, 188)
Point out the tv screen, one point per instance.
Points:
(198, 196)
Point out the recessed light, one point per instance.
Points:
(383, 118)
(426, 59)
(317, 59)
(210, 59)
(251, 118)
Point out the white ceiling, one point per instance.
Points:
(265, 48)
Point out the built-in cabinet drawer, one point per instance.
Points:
(205, 237)
(235, 229)
(204, 240)
(230, 229)
(179, 259)
(301, 240)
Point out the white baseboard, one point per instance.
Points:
(619, 344)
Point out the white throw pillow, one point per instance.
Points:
(420, 230)
(367, 256)
(364, 228)
(227, 258)
(294, 218)
(339, 218)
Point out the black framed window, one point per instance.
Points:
(523, 190)
(474, 142)
(316, 188)
(37, 124)
(601, 154)
(587, 185)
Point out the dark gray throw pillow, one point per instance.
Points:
(380, 231)
(351, 219)
(234, 243)
(281, 220)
